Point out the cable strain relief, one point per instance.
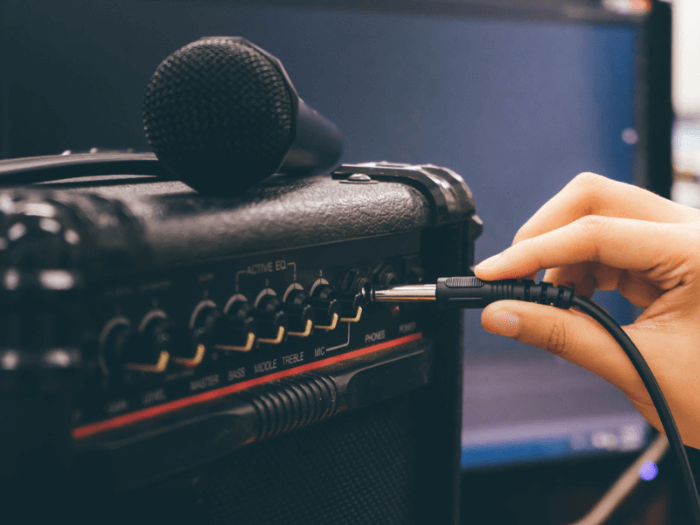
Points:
(559, 296)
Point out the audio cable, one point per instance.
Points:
(472, 292)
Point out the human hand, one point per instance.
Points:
(602, 234)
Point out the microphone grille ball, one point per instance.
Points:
(219, 115)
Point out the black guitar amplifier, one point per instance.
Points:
(172, 358)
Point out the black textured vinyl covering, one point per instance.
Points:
(283, 212)
(354, 469)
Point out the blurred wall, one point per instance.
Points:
(686, 58)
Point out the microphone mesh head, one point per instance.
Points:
(219, 115)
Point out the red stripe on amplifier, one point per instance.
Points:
(120, 421)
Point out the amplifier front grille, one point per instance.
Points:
(354, 469)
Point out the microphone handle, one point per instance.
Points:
(317, 145)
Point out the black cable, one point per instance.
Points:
(657, 397)
(55, 167)
(471, 292)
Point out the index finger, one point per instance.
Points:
(628, 244)
(591, 194)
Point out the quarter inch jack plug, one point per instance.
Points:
(472, 292)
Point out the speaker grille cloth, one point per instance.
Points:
(356, 468)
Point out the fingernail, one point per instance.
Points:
(502, 323)
(488, 263)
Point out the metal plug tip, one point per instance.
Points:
(408, 293)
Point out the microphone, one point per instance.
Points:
(221, 114)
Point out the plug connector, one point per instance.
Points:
(472, 292)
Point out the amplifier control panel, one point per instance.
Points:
(171, 339)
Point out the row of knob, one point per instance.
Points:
(156, 341)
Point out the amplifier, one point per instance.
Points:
(171, 357)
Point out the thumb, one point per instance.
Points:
(569, 334)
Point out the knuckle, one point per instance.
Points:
(592, 231)
(588, 190)
(587, 180)
(557, 339)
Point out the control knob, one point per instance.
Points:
(328, 309)
(235, 330)
(300, 314)
(271, 318)
(144, 350)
